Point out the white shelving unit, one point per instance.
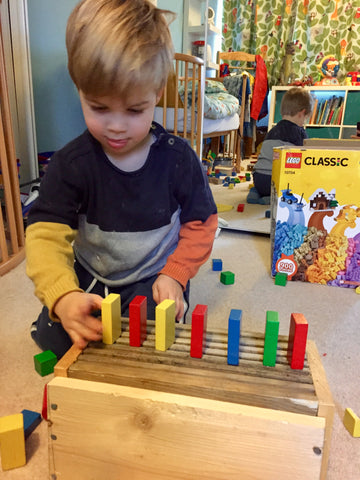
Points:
(196, 27)
(350, 114)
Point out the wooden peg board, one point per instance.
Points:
(300, 398)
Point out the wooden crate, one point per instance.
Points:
(137, 413)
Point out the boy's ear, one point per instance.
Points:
(159, 95)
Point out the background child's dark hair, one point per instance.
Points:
(295, 100)
(114, 45)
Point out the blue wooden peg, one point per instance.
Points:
(234, 337)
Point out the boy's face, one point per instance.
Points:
(121, 125)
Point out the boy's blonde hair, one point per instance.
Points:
(116, 45)
(295, 100)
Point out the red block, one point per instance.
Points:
(198, 331)
(44, 405)
(240, 207)
(137, 321)
(297, 340)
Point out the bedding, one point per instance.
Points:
(218, 103)
(230, 122)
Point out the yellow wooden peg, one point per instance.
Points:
(111, 318)
(352, 422)
(12, 441)
(164, 325)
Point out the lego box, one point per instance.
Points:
(315, 220)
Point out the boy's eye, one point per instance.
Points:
(98, 108)
(135, 111)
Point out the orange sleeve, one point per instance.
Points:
(195, 244)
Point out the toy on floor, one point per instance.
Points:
(12, 441)
(281, 279)
(352, 422)
(45, 362)
(227, 278)
(31, 421)
(240, 207)
(223, 207)
(217, 265)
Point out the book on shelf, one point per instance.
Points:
(319, 111)
(333, 105)
(313, 115)
(330, 109)
(326, 112)
(338, 120)
(323, 112)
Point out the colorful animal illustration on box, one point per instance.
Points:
(346, 219)
(294, 206)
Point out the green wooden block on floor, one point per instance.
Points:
(227, 278)
(281, 279)
(45, 362)
(271, 338)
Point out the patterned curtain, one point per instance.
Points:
(314, 28)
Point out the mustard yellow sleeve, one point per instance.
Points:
(50, 261)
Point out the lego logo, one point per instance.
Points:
(293, 160)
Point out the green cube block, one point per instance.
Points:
(271, 338)
(227, 278)
(281, 279)
(45, 362)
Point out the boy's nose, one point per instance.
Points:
(117, 123)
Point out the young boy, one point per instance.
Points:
(125, 207)
(296, 106)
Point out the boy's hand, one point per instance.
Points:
(165, 288)
(74, 311)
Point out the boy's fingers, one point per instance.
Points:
(93, 324)
(77, 339)
(88, 329)
(179, 309)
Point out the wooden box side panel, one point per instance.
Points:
(326, 402)
(125, 432)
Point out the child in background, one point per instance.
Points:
(125, 207)
(296, 106)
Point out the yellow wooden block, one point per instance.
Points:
(352, 422)
(111, 318)
(223, 208)
(12, 441)
(164, 325)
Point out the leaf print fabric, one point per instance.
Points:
(316, 28)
